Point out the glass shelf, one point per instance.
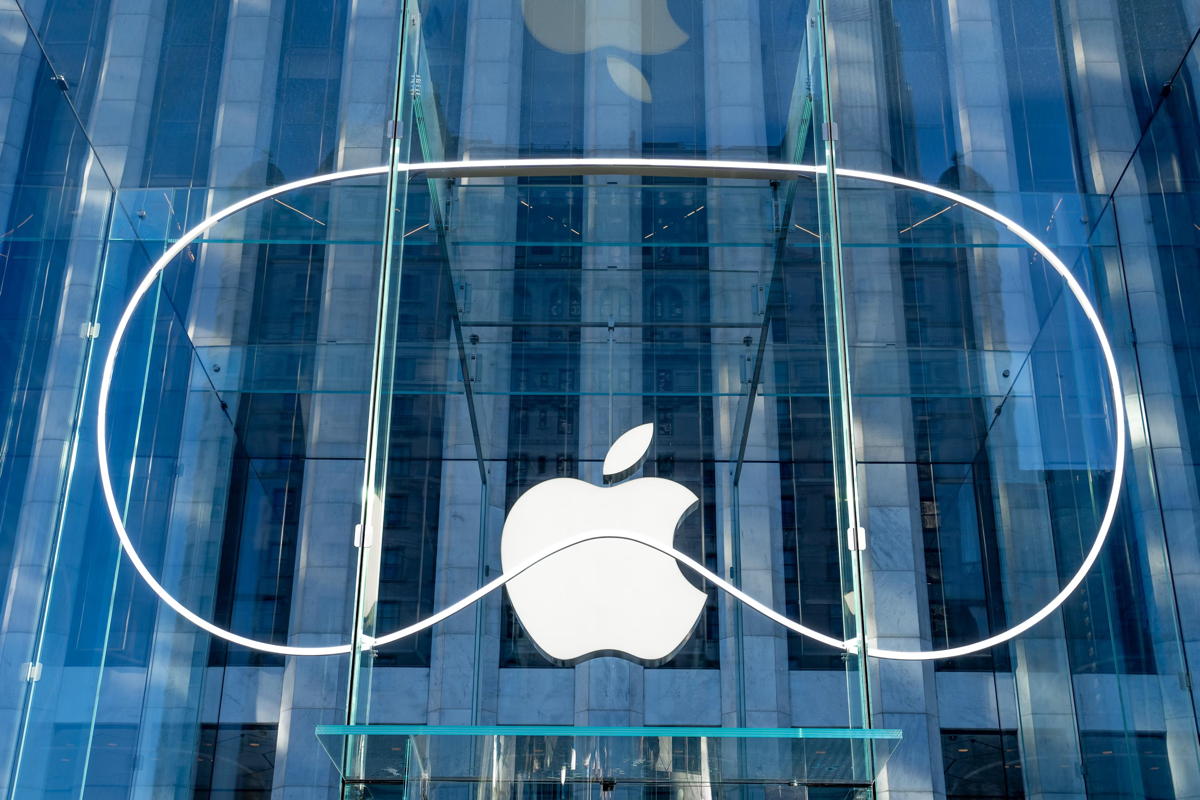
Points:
(437, 757)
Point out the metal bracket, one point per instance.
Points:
(463, 291)
(31, 672)
(473, 368)
(830, 131)
(91, 330)
(747, 368)
(758, 298)
(391, 129)
(856, 538)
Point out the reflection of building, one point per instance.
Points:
(527, 320)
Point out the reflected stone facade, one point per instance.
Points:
(324, 408)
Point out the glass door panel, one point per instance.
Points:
(534, 313)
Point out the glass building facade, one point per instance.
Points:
(900, 286)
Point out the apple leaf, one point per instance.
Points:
(629, 79)
(627, 452)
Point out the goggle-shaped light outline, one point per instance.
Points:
(693, 168)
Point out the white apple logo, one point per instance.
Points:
(604, 595)
(566, 27)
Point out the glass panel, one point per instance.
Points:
(240, 390)
(503, 759)
(54, 214)
(530, 317)
(987, 447)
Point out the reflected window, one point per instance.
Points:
(1123, 765)
(100, 759)
(189, 73)
(1105, 620)
(544, 407)
(411, 517)
(676, 361)
(962, 562)
(686, 456)
(812, 569)
(1042, 129)
(262, 518)
(413, 491)
(235, 762)
(982, 765)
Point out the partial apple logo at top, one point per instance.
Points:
(603, 596)
(566, 27)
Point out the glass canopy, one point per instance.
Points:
(497, 760)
